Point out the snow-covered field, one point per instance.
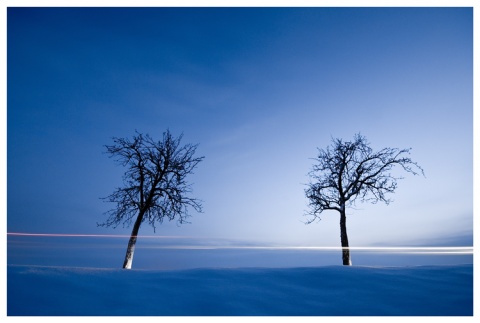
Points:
(314, 291)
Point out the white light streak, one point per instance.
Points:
(406, 250)
(74, 235)
(218, 245)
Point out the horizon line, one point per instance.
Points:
(417, 249)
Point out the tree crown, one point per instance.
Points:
(155, 183)
(350, 170)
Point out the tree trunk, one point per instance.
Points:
(344, 239)
(127, 264)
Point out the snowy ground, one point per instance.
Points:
(314, 291)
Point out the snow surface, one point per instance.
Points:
(313, 291)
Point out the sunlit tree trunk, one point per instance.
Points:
(127, 264)
(344, 239)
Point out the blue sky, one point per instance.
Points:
(259, 89)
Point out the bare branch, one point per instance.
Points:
(155, 184)
(347, 171)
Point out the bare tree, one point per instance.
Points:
(155, 184)
(349, 171)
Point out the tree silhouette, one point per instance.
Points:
(347, 171)
(155, 184)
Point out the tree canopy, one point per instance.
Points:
(155, 179)
(347, 171)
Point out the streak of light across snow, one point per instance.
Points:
(219, 244)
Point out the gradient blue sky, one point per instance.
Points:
(259, 89)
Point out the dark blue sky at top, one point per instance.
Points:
(259, 89)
